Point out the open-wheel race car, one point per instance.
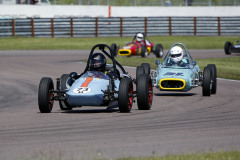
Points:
(98, 85)
(230, 47)
(139, 46)
(179, 72)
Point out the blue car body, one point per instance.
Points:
(174, 77)
(92, 94)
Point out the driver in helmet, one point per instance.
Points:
(176, 56)
(139, 38)
(98, 62)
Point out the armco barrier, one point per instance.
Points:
(119, 26)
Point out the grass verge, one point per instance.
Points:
(191, 42)
(224, 155)
(231, 155)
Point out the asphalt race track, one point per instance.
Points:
(177, 123)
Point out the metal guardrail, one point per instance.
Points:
(119, 26)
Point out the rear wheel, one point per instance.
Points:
(159, 50)
(114, 49)
(144, 92)
(63, 104)
(214, 77)
(139, 71)
(125, 95)
(144, 51)
(146, 67)
(45, 101)
(206, 86)
(227, 48)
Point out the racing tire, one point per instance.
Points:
(139, 71)
(144, 92)
(146, 67)
(114, 49)
(63, 104)
(44, 95)
(227, 48)
(206, 86)
(214, 77)
(159, 51)
(144, 51)
(125, 95)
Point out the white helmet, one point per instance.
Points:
(176, 54)
(139, 37)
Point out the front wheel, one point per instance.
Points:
(227, 48)
(144, 92)
(63, 104)
(144, 51)
(159, 51)
(45, 101)
(206, 86)
(214, 77)
(125, 95)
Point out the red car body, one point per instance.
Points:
(135, 48)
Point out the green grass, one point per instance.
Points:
(226, 67)
(224, 155)
(231, 155)
(191, 42)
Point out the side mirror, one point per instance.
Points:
(194, 63)
(157, 62)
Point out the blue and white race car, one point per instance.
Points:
(232, 48)
(179, 72)
(99, 85)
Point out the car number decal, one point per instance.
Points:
(173, 73)
(82, 90)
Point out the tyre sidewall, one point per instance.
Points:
(46, 84)
(123, 96)
(206, 86)
(144, 85)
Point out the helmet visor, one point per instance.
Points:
(176, 55)
(97, 63)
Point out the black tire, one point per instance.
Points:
(125, 95)
(44, 102)
(159, 51)
(63, 104)
(144, 51)
(214, 77)
(206, 86)
(146, 67)
(139, 71)
(144, 92)
(114, 49)
(227, 48)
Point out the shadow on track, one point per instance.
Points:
(110, 109)
(175, 94)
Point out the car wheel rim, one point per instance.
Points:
(150, 93)
(50, 102)
(161, 53)
(130, 99)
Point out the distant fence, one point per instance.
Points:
(118, 26)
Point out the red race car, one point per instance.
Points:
(139, 46)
